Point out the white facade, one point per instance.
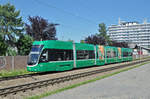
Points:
(131, 32)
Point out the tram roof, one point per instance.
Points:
(56, 44)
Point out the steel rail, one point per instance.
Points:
(19, 76)
(23, 76)
(37, 84)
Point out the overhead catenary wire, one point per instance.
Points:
(66, 12)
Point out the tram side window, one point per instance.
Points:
(85, 54)
(115, 54)
(130, 53)
(91, 55)
(108, 54)
(60, 55)
(111, 54)
(125, 54)
(44, 56)
(97, 54)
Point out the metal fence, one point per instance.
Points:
(9, 63)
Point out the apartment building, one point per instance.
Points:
(131, 32)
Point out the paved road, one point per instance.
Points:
(132, 84)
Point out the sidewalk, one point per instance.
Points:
(132, 84)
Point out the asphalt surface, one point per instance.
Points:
(132, 84)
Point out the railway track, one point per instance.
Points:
(37, 84)
(20, 76)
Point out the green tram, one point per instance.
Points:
(52, 55)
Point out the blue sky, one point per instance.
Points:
(80, 18)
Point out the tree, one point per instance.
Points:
(103, 34)
(3, 47)
(102, 29)
(101, 38)
(11, 51)
(40, 29)
(82, 41)
(11, 24)
(70, 40)
(124, 44)
(119, 44)
(24, 44)
(95, 39)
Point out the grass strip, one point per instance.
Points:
(13, 73)
(82, 83)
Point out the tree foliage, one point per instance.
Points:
(102, 29)
(95, 39)
(11, 27)
(3, 47)
(103, 39)
(11, 24)
(119, 44)
(103, 34)
(40, 29)
(24, 44)
(11, 51)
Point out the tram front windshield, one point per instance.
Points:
(33, 59)
(36, 48)
(34, 54)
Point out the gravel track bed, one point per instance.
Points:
(19, 81)
(38, 91)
